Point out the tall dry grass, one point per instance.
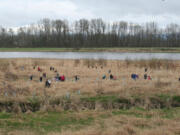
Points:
(90, 82)
(153, 64)
(95, 63)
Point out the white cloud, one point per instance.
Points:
(22, 12)
(162, 20)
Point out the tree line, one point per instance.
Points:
(93, 33)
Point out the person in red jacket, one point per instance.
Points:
(149, 78)
(62, 78)
(39, 69)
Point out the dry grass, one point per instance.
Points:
(164, 77)
(154, 64)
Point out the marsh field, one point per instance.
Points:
(90, 105)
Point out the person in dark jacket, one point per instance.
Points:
(48, 83)
(134, 76)
(51, 68)
(111, 77)
(145, 76)
(104, 77)
(44, 75)
(31, 77)
(76, 78)
(57, 77)
(40, 79)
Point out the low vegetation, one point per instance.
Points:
(126, 122)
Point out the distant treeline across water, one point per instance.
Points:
(90, 33)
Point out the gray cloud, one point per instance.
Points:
(23, 12)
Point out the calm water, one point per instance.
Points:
(91, 55)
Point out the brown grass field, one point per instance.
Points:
(91, 105)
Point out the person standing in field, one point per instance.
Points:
(44, 75)
(31, 77)
(111, 77)
(48, 83)
(62, 78)
(145, 76)
(40, 79)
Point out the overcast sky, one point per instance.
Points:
(22, 12)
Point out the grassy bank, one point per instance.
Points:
(136, 121)
(157, 49)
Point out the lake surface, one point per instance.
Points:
(91, 55)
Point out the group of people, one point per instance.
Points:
(111, 77)
(146, 77)
(62, 78)
(133, 76)
(48, 81)
(58, 77)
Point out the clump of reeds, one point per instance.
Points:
(102, 62)
(160, 84)
(128, 62)
(77, 62)
(4, 65)
(10, 76)
(89, 63)
(61, 63)
(12, 91)
(153, 64)
(13, 63)
(93, 63)
(39, 63)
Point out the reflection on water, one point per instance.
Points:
(91, 55)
